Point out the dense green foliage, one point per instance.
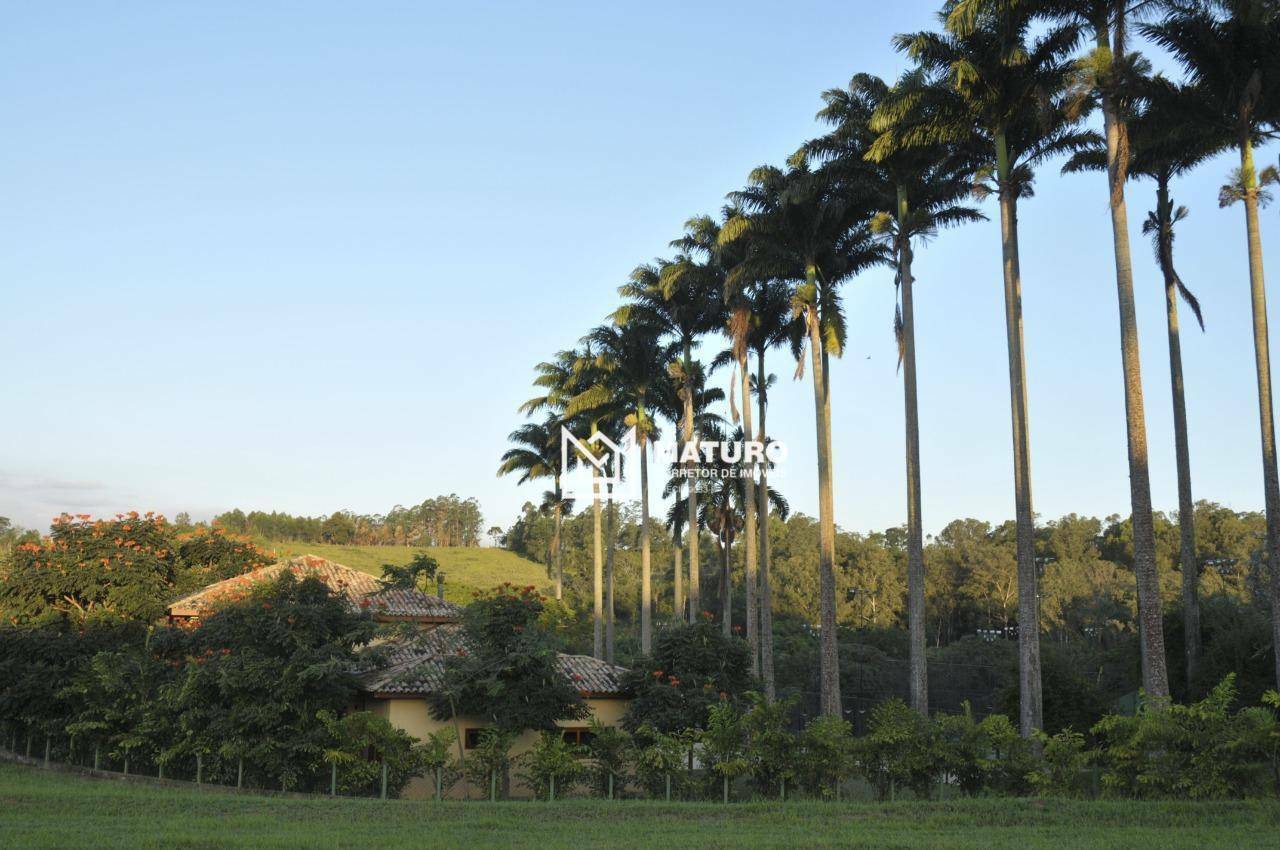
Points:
(263, 685)
(508, 673)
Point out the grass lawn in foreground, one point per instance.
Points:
(466, 568)
(52, 810)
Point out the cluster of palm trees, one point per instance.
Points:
(997, 90)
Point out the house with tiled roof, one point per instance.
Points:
(397, 674)
(361, 590)
(407, 670)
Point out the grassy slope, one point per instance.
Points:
(466, 569)
(39, 810)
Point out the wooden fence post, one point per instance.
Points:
(383, 794)
(199, 768)
(48, 741)
(97, 751)
(551, 798)
(126, 765)
(493, 785)
(333, 779)
(611, 785)
(668, 787)
(239, 772)
(437, 783)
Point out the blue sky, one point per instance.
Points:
(303, 256)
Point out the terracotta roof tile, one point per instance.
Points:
(415, 666)
(357, 587)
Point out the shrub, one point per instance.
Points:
(659, 758)
(490, 760)
(723, 744)
(898, 751)
(1200, 751)
(552, 765)
(771, 746)
(826, 755)
(361, 743)
(1063, 765)
(438, 759)
(608, 747)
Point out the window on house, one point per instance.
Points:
(471, 737)
(578, 735)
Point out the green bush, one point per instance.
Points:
(1062, 771)
(826, 756)
(1197, 751)
(551, 766)
(772, 748)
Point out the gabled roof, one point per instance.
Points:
(360, 589)
(415, 666)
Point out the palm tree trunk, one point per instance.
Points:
(1155, 673)
(611, 541)
(646, 602)
(1262, 358)
(695, 578)
(919, 670)
(677, 603)
(726, 589)
(557, 564)
(766, 592)
(749, 534)
(829, 656)
(1030, 703)
(1186, 505)
(597, 583)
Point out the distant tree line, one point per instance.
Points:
(1088, 603)
(443, 521)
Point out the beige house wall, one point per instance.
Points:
(412, 715)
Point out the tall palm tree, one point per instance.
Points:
(536, 454)
(673, 295)
(920, 189)
(671, 406)
(773, 325)
(997, 88)
(566, 376)
(1165, 141)
(804, 227)
(724, 512)
(632, 360)
(1231, 52)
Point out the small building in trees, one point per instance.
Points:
(407, 672)
(362, 591)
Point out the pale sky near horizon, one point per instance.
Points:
(304, 256)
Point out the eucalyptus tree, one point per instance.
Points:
(998, 88)
(919, 190)
(567, 375)
(1165, 141)
(632, 361)
(688, 305)
(804, 227)
(536, 455)
(1230, 50)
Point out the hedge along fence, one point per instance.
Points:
(1201, 751)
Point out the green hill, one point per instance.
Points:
(466, 568)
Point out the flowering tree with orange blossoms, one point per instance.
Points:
(128, 567)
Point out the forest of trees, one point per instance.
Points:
(1088, 604)
(443, 521)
